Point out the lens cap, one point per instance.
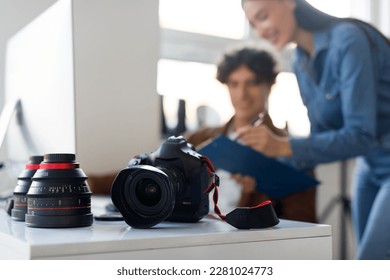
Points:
(261, 216)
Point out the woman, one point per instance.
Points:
(343, 72)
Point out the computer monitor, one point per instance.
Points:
(40, 73)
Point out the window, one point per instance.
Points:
(194, 83)
(341, 9)
(199, 17)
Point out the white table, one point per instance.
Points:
(208, 239)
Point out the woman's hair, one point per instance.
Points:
(312, 19)
(260, 61)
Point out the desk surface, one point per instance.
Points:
(164, 241)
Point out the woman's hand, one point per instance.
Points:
(262, 139)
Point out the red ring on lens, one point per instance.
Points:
(58, 165)
(32, 166)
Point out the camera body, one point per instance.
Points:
(168, 184)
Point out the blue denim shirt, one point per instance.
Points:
(345, 87)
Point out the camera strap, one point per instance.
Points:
(260, 216)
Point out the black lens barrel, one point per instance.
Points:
(22, 186)
(59, 195)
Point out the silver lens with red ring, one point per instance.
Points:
(59, 195)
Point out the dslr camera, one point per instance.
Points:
(168, 184)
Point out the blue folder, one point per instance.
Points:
(273, 178)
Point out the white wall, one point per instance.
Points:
(116, 53)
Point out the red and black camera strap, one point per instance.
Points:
(260, 216)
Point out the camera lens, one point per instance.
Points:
(145, 195)
(148, 192)
(59, 195)
(22, 187)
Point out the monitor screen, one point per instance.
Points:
(40, 72)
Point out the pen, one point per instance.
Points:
(256, 122)
(259, 120)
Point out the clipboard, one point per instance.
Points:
(274, 178)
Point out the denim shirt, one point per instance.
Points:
(345, 87)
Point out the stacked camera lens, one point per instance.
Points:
(59, 195)
(22, 186)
